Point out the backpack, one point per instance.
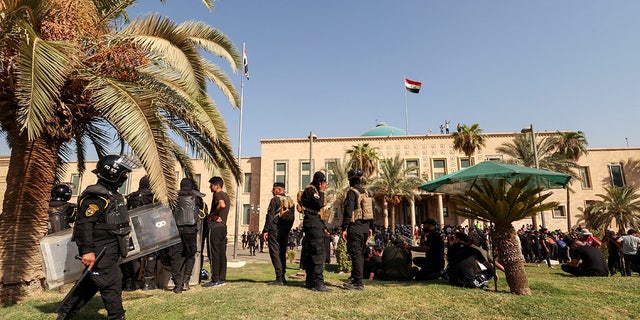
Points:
(186, 212)
(299, 207)
(287, 208)
(364, 207)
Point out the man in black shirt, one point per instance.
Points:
(218, 233)
(432, 264)
(586, 261)
(461, 269)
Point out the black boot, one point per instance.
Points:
(185, 283)
(149, 284)
(177, 288)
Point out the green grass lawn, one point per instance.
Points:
(247, 296)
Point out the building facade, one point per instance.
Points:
(288, 161)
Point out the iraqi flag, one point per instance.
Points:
(412, 86)
(245, 63)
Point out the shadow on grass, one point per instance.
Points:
(90, 311)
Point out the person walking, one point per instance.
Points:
(314, 228)
(102, 225)
(187, 214)
(357, 226)
(218, 233)
(276, 231)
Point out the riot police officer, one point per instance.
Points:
(142, 197)
(314, 232)
(102, 223)
(356, 228)
(276, 233)
(61, 212)
(187, 213)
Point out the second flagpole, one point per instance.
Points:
(406, 110)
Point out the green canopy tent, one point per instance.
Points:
(458, 182)
(462, 180)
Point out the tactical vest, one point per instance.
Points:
(116, 216)
(60, 217)
(186, 211)
(364, 206)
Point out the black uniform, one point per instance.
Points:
(462, 266)
(314, 233)
(102, 222)
(218, 238)
(182, 255)
(61, 215)
(357, 234)
(130, 269)
(278, 237)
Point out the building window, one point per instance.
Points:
(559, 212)
(445, 211)
(305, 173)
(330, 164)
(585, 178)
(439, 168)
(616, 174)
(280, 172)
(412, 164)
(465, 163)
(76, 180)
(493, 157)
(247, 183)
(246, 214)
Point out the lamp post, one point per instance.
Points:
(535, 160)
(311, 138)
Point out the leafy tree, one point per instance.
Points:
(469, 139)
(364, 157)
(68, 77)
(620, 205)
(503, 204)
(395, 184)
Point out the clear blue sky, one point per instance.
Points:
(337, 67)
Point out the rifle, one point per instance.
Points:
(83, 278)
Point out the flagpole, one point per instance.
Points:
(406, 110)
(238, 202)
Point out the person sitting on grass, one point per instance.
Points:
(586, 261)
(463, 260)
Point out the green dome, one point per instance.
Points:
(384, 130)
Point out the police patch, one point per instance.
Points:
(92, 209)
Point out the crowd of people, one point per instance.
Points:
(460, 255)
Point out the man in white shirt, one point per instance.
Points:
(630, 243)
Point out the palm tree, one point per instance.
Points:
(521, 153)
(338, 185)
(503, 204)
(620, 205)
(395, 184)
(67, 78)
(469, 139)
(364, 157)
(572, 144)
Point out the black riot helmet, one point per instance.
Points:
(113, 168)
(61, 192)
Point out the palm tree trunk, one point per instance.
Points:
(393, 218)
(24, 215)
(509, 252)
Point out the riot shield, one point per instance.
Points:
(153, 228)
(163, 278)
